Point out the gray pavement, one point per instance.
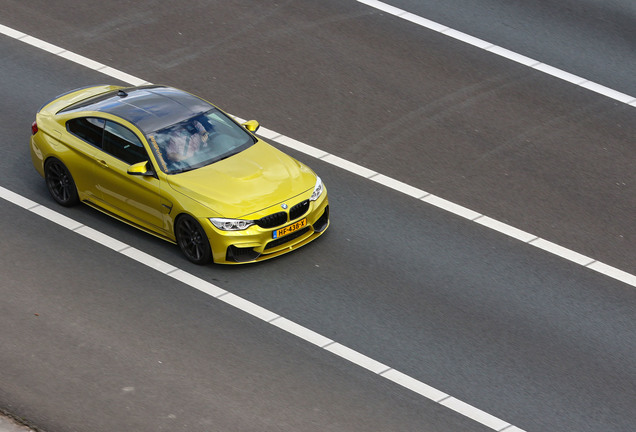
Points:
(528, 338)
(7, 424)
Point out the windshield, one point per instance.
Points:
(198, 141)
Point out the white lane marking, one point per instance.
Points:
(562, 252)
(451, 207)
(399, 186)
(354, 168)
(56, 217)
(197, 283)
(301, 147)
(414, 385)
(505, 229)
(346, 165)
(254, 310)
(147, 260)
(76, 58)
(475, 413)
(101, 238)
(357, 358)
(300, 331)
(287, 325)
(249, 307)
(510, 55)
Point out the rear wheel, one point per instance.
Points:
(192, 240)
(60, 183)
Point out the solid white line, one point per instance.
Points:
(349, 166)
(17, 199)
(301, 147)
(253, 309)
(510, 428)
(268, 316)
(505, 229)
(39, 43)
(399, 186)
(101, 238)
(76, 58)
(479, 43)
(471, 40)
(370, 174)
(414, 385)
(474, 413)
(197, 283)
(148, 260)
(249, 307)
(562, 252)
(451, 207)
(56, 217)
(268, 133)
(613, 272)
(357, 358)
(511, 55)
(301, 332)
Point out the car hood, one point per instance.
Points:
(247, 182)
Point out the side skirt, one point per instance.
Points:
(128, 222)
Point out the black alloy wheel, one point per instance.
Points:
(60, 183)
(192, 240)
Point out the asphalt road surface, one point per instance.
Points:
(91, 340)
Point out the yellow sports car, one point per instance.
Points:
(176, 166)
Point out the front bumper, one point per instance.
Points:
(258, 244)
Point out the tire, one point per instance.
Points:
(192, 240)
(60, 183)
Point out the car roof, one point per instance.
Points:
(150, 108)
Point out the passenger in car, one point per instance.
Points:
(186, 140)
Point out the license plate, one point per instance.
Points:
(290, 228)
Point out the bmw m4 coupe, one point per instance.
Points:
(176, 166)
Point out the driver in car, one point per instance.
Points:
(186, 140)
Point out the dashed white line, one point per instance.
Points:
(283, 323)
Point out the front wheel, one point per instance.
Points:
(60, 183)
(192, 240)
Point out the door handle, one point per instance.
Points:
(102, 163)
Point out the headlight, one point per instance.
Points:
(231, 224)
(317, 190)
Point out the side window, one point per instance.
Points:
(89, 129)
(122, 143)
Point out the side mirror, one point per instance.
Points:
(140, 169)
(251, 125)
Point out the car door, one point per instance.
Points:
(135, 198)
